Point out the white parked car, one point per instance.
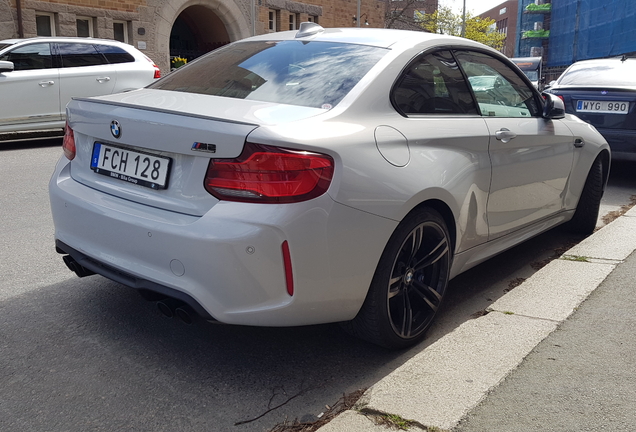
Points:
(320, 175)
(39, 76)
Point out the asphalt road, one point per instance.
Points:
(91, 355)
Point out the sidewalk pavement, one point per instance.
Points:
(541, 359)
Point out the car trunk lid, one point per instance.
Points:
(602, 107)
(174, 148)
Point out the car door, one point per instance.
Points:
(531, 156)
(84, 72)
(31, 92)
(447, 138)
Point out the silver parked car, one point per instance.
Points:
(321, 175)
(41, 75)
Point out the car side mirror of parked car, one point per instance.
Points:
(6, 66)
(554, 108)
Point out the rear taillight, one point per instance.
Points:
(561, 97)
(268, 174)
(68, 145)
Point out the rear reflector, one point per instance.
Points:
(268, 174)
(68, 145)
(289, 275)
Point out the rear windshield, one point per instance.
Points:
(312, 74)
(610, 73)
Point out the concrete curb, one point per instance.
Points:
(441, 384)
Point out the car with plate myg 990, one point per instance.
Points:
(602, 92)
(321, 175)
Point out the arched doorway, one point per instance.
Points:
(196, 31)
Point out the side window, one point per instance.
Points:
(78, 55)
(433, 84)
(115, 54)
(499, 91)
(33, 56)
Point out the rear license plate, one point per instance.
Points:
(602, 107)
(135, 167)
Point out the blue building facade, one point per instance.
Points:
(585, 29)
(578, 30)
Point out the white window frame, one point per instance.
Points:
(272, 20)
(51, 17)
(292, 21)
(91, 31)
(125, 24)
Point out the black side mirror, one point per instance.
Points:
(554, 108)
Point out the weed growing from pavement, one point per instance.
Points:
(392, 421)
(346, 402)
(575, 258)
(613, 215)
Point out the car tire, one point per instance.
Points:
(587, 210)
(408, 285)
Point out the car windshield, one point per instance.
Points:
(532, 75)
(609, 73)
(312, 74)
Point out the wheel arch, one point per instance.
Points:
(605, 157)
(447, 214)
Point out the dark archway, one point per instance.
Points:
(196, 31)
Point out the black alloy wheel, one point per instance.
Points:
(409, 284)
(418, 280)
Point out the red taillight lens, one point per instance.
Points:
(267, 174)
(157, 71)
(68, 145)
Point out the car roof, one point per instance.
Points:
(378, 37)
(60, 39)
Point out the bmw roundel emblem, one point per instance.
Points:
(115, 128)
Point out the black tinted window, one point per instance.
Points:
(115, 54)
(78, 55)
(433, 84)
(28, 57)
(499, 91)
(312, 74)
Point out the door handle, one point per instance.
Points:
(103, 79)
(579, 143)
(46, 83)
(504, 135)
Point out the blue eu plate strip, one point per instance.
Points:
(96, 149)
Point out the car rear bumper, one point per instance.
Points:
(229, 261)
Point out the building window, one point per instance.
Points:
(120, 31)
(45, 24)
(272, 20)
(292, 21)
(313, 18)
(84, 26)
(503, 11)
